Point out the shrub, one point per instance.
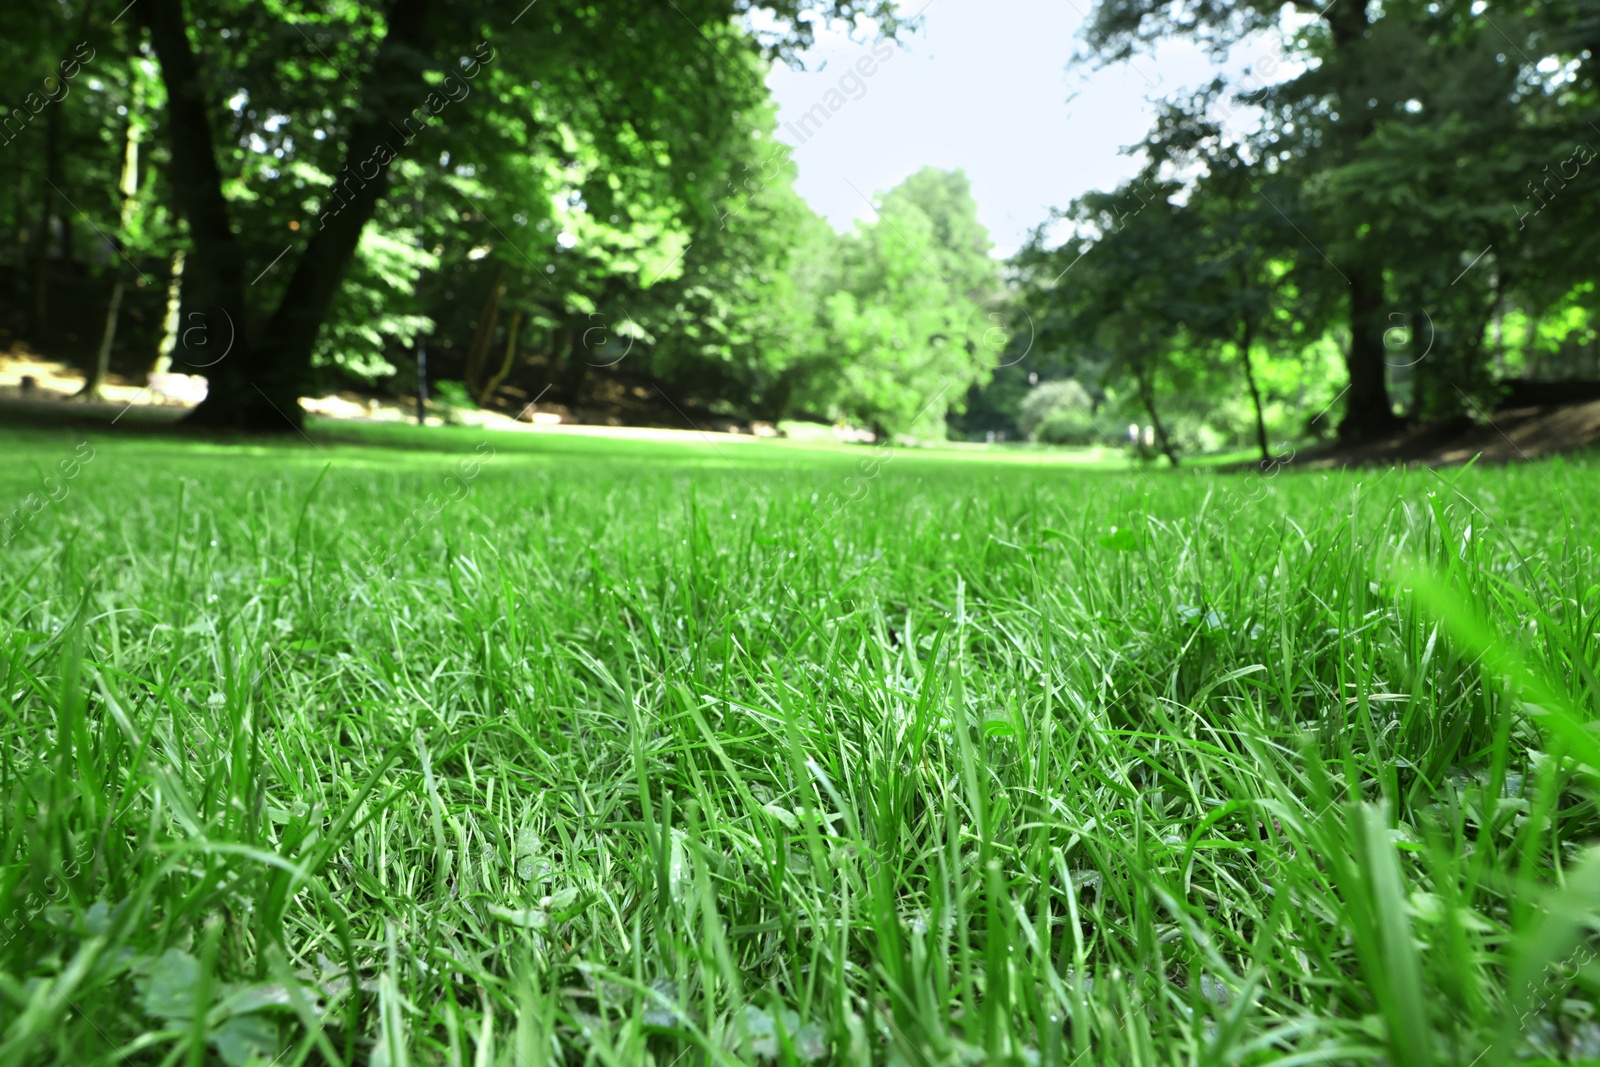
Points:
(1059, 413)
(453, 399)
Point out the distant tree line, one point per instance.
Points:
(287, 197)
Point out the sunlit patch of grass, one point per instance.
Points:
(613, 752)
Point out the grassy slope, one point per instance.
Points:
(639, 750)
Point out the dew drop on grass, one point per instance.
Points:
(1214, 991)
(528, 866)
(1585, 1041)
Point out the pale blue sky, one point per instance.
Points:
(983, 86)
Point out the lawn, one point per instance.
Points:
(457, 747)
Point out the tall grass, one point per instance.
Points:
(615, 755)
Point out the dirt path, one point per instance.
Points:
(1510, 436)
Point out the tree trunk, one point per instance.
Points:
(1247, 330)
(257, 383)
(392, 89)
(422, 382)
(94, 388)
(775, 399)
(127, 189)
(1147, 394)
(1368, 413)
(169, 324)
(505, 365)
(217, 272)
(483, 336)
(576, 371)
(53, 178)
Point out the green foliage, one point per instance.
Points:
(376, 313)
(453, 398)
(730, 324)
(1059, 413)
(901, 308)
(550, 144)
(172, 989)
(1411, 192)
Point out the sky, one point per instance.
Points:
(983, 86)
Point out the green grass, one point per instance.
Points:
(644, 753)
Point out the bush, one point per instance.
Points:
(1059, 413)
(453, 399)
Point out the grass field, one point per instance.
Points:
(496, 749)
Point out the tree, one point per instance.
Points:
(731, 327)
(1060, 412)
(418, 56)
(1258, 287)
(901, 304)
(1124, 290)
(1402, 134)
(64, 141)
(1118, 27)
